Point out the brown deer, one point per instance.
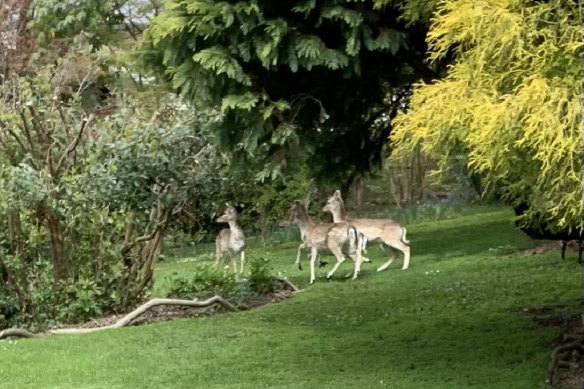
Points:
(230, 241)
(331, 236)
(385, 231)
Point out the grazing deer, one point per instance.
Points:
(385, 231)
(230, 241)
(331, 236)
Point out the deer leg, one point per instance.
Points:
(242, 261)
(320, 262)
(362, 246)
(340, 259)
(313, 254)
(386, 264)
(391, 257)
(357, 267)
(300, 247)
(564, 244)
(218, 255)
(359, 259)
(232, 262)
(401, 246)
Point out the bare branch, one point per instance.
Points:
(26, 131)
(144, 238)
(73, 144)
(37, 123)
(14, 135)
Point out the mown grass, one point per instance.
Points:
(455, 319)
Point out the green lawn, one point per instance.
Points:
(453, 320)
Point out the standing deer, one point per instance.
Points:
(230, 241)
(303, 245)
(385, 231)
(331, 236)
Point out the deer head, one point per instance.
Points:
(298, 212)
(334, 203)
(230, 214)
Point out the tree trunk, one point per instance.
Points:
(15, 235)
(359, 190)
(58, 252)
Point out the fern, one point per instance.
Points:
(245, 102)
(351, 17)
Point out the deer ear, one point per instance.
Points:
(337, 194)
(227, 204)
(297, 202)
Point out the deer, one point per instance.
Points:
(305, 246)
(331, 236)
(385, 231)
(230, 241)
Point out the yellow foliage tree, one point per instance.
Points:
(510, 103)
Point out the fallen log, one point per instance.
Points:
(124, 321)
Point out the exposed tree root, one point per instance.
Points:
(17, 333)
(560, 354)
(124, 321)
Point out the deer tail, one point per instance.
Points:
(353, 239)
(403, 237)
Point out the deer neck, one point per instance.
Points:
(305, 224)
(339, 214)
(234, 227)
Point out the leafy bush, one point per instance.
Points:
(8, 308)
(205, 282)
(42, 303)
(202, 283)
(260, 279)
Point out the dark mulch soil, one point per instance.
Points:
(170, 312)
(545, 246)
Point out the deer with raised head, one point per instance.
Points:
(327, 236)
(304, 246)
(385, 231)
(230, 241)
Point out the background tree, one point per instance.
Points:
(289, 76)
(510, 104)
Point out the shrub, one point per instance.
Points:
(205, 282)
(260, 279)
(202, 283)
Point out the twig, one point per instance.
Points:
(73, 144)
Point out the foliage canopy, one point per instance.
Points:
(510, 103)
(294, 75)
